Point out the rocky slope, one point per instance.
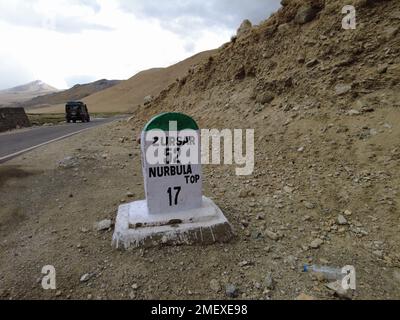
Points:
(297, 68)
(324, 103)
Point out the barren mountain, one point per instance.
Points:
(25, 92)
(77, 92)
(131, 93)
(128, 94)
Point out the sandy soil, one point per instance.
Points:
(48, 211)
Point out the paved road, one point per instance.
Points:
(17, 142)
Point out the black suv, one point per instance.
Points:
(76, 110)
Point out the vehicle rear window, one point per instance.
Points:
(73, 107)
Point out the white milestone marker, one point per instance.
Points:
(175, 211)
(171, 164)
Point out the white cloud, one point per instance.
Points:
(62, 41)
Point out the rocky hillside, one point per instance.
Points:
(325, 106)
(299, 63)
(77, 92)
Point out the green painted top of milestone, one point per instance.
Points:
(162, 122)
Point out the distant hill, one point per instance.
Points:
(128, 94)
(77, 92)
(9, 97)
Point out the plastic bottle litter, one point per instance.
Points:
(328, 273)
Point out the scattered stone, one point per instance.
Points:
(231, 291)
(301, 59)
(309, 205)
(316, 244)
(147, 100)
(68, 163)
(342, 230)
(243, 194)
(130, 194)
(348, 213)
(265, 98)
(287, 189)
(339, 291)
(244, 264)
(132, 295)
(305, 14)
(353, 112)
(396, 275)
(373, 132)
(390, 32)
(284, 28)
(378, 253)
(84, 230)
(272, 235)
(383, 69)
(135, 286)
(342, 221)
(312, 63)
(342, 89)
(305, 297)
(269, 281)
(103, 225)
(58, 293)
(366, 109)
(86, 277)
(215, 286)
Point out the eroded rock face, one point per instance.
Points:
(244, 28)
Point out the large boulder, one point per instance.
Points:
(306, 13)
(147, 100)
(285, 3)
(13, 118)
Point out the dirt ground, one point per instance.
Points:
(52, 197)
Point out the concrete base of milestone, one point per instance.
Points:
(135, 227)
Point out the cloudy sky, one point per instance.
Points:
(64, 42)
